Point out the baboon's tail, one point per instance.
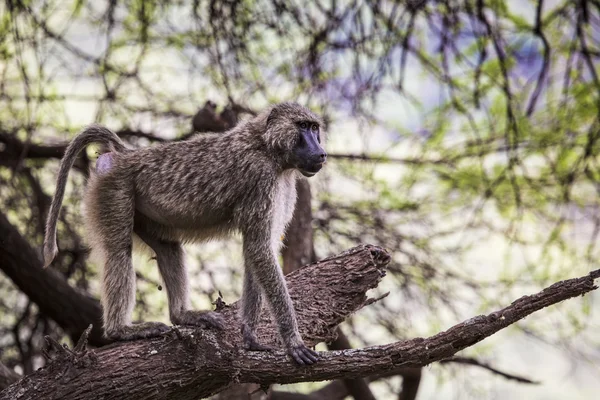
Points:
(91, 134)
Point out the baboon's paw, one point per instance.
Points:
(204, 319)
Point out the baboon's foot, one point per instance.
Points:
(143, 330)
(250, 342)
(204, 319)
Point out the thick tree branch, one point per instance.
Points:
(419, 352)
(188, 363)
(410, 385)
(71, 309)
(14, 150)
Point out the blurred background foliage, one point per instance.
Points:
(463, 137)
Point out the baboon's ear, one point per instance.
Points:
(272, 115)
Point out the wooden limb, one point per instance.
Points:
(410, 385)
(13, 151)
(189, 363)
(419, 351)
(72, 309)
(198, 363)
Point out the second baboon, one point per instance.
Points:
(206, 187)
(207, 119)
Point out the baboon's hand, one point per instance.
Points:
(302, 354)
(204, 319)
(138, 331)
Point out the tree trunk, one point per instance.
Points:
(298, 251)
(70, 308)
(298, 243)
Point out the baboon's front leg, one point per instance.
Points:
(260, 259)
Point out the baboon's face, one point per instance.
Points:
(307, 155)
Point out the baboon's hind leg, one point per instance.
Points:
(169, 257)
(110, 218)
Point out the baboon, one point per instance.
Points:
(229, 116)
(206, 187)
(207, 119)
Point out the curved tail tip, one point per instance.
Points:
(50, 251)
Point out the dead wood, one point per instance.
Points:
(194, 363)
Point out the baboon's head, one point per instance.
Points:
(295, 132)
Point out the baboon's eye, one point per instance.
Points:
(303, 125)
(314, 127)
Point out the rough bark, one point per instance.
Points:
(189, 364)
(73, 310)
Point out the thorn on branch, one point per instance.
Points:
(219, 303)
(177, 332)
(78, 357)
(81, 345)
(62, 351)
(372, 300)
